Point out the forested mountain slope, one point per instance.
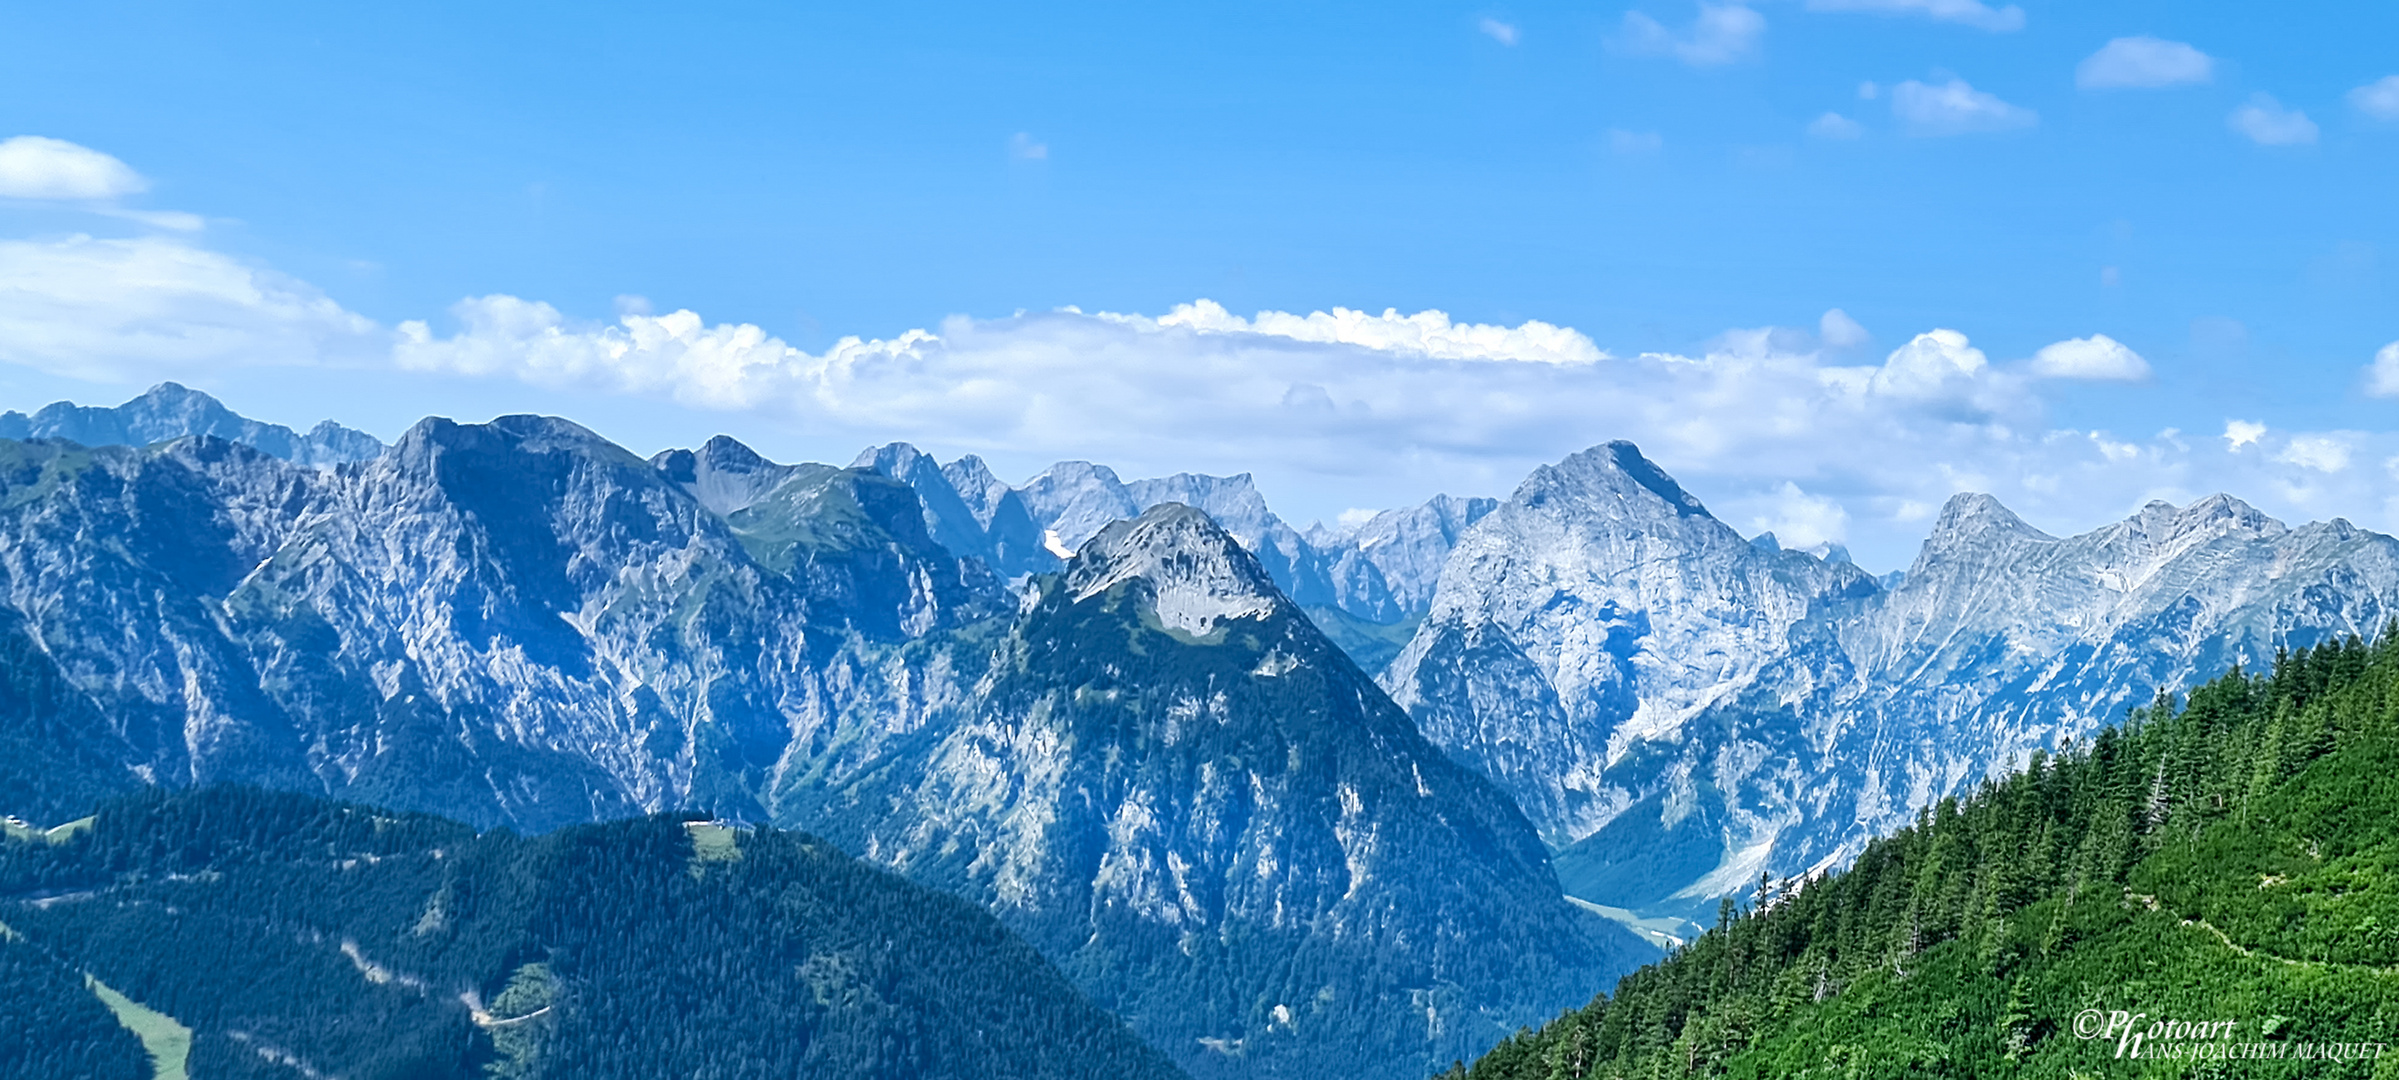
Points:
(294, 936)
(2236, 859)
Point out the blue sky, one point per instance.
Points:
(1652, 175)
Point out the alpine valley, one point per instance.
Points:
(1286, 802)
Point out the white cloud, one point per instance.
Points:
(1954, 108)
(1632, 143)
(2098, 357)
(1869, 90)
(143, 309)
(1840, 331)
(2267, 123)
(2322, 453)
(33, 167)
(2144, 63)
(2382, 376)
(1972, 13)
(1504, 33)
(1800, 520)
(1833, 125)
(2378, 99)
(1022, 147)
(1426, 333)
(1723, 34)
(1331, 409)
(1934, 364)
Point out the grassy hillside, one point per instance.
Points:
(2211, 889)
(294, 936)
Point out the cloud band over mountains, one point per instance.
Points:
(1780, 429)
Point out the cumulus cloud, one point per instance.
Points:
(1504, 33)
(1840, 331)
(2322, 453)
(152, 308)
(1332, 409)
(2382, 376)
(1972, 13)
(33, 167)
(2378, 99)
(2267, 123)
(1800, 520)
(1954, 108)
(1833, 125)
(2144, 63)
(1723, 34)
(2098, 357)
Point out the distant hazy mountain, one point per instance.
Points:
(1381, 574)
(170, 411)
(1680, 709)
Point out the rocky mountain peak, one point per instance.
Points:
(2221, 514)
(981, 491)
(1973, 520)
(174, 411)
(896, 460)
(1613, 481)
(725, 475)
(1197, 575)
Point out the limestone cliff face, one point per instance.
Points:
(515, 622)
(1150, 762)
(1169, 769)
(1679, 710)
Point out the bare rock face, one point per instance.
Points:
(1151, 762)
(513, 623)
(1678, 709)
(1170, 770)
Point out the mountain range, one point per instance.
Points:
(1290, 802)
(1150, 764)
(1679, 710)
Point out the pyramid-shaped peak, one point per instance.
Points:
(1970, 515)
(1618, 467)
(2222, 511)
(174, 393)
(1198, 575)
(726, 453)
(892, 459)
